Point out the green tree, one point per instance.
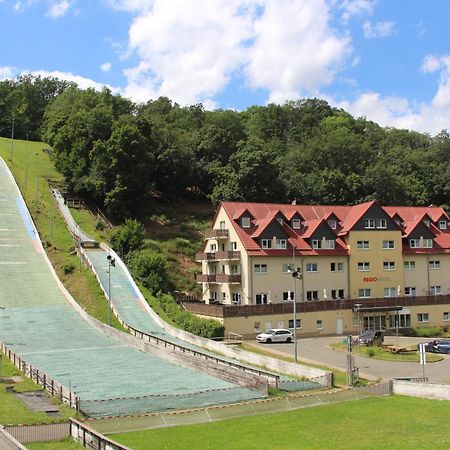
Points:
(128, 237)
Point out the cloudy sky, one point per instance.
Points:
(388, 60)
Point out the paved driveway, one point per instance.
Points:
(317, 350)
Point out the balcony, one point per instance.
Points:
(218, 256)
(216, 234)
(219, 278)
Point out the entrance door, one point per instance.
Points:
(340, 326)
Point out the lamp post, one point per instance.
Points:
(111, 263)
(357, 306)
(296, 275)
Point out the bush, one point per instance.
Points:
(68, 268)
(151, 269)
(99, 225)
(128, 237)
(371, 352)
(208, 328)
(422, 332)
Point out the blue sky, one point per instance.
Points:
(388, 60)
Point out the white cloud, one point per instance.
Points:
(190, 50)
(295, 51)
(378, 30)
(106, 67)
(431, 117)
(356, 8)
(58, 8)
(8, 72)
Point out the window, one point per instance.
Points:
(337, 293)
(422, 317)
(363, 293)
(213, 297)
(434, 264)
(388, 265)
(390, 292)
(323, 243)
(410, 291)
(319, 324)
(261, 299)
(234, 269)
(381, 223)
(426, 222)
(332, 223)
(288, 296)
(414, 243)
(224, 297)
(233, 246)
(311, 267)
(257, 326)
(280, 220)
(362, 244)
(409, 265)
(266, 243)
(428, 243)
(296, 224)
(312, 295)
(245, 222)
(388, 244)
(442, 224)
(212, 248)
(281, 243)
(369, 223)
(363, 266)
(446, 316)
(435, 290)
(260, 268)
(222, 225)
(337, 267)
(236, 298)
(298, 323)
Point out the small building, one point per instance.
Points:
(337, 262)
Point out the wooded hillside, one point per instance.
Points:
(123, 154)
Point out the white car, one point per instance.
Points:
(275, 335)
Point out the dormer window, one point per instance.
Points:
(442, 224)
(280, 243)
(426, 222)
(280, 220)
(428, 243)
(414, 243)
(245, 222)
(381, 223)
(332, 223)
(369, 223)
(266, 243)
(323, 244)
(296, 224)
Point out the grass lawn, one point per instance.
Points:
(13, 411)
(379, 423)
(376, 352)
(65, 444)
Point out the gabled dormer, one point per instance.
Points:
(244, 218)
(270, 234)
(398, 220)
(442, 223)
(296, 222)
(333, 222)
(320, 235)
(426, 219)
(281, 218)
(419, 235)
(374, 218)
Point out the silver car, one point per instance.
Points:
(275, 335)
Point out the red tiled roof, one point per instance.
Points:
(348, 216)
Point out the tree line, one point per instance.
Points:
(123, 154)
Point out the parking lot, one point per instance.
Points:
(318, 351)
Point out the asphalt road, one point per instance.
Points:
(318, 351)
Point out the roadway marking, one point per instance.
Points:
(12, 263)
(10, 245)
(6, 229)
(74, 350)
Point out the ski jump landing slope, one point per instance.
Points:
(40, 324)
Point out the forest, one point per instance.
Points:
(124, 154)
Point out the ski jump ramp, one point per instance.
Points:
(41, 323)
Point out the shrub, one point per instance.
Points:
(371, 352)
(68, 268)
(208, 328)
(151, 269)
(128, 237)
(99, 225)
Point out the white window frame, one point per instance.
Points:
(280, 220)
(363, 245)
(364, 293)
(409, 265)
(363, 266)
(410, 291)
(434, 265)
(319, 324)
(390, 292)
(260, 268)
(435, 290)
(266, 244)
(296, 224)
(369, 224)
(312, 295)
(281, 243)
(246, 222)
(382, 224)
(298, 324)
(388, 265)
(338, 266)
(332, 223)
(428, 243)
(442, 224)
(287, 296)
(234, 269)
(233, 246)
(310, 266)
(446, 316)
(414, 243)
(423, 317)
(388, 245)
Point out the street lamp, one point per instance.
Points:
(357, 306)
(296, 275)
(111, 262)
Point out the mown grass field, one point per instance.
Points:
(379, 423)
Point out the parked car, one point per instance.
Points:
(438, 346)
(371, 337)
(275, 335)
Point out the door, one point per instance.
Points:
(340, 326)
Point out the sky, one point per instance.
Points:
(387, 60)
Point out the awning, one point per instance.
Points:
(377, 308)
